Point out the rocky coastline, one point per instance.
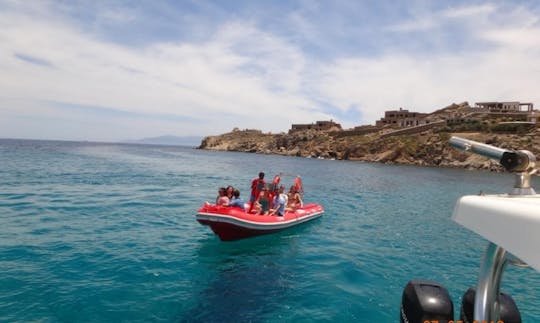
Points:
(423, 148)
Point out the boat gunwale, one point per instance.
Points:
(231, 219)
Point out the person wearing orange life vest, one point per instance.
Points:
(274, 185)
(257, 184)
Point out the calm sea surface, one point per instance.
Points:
(107, 233)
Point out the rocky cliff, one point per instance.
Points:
(428, 147)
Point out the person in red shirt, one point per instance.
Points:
(257, 185)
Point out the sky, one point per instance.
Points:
(108, 70)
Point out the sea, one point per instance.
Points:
(97, 232)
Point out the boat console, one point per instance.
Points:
(499, 219)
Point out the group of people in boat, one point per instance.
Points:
(265, 199)
(229, 196)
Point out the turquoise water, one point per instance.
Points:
(107, 233)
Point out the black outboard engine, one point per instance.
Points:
(426, 301)
(508, 308)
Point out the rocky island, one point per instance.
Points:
(401, 137)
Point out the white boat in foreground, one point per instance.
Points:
(511, 224)
(501, 219)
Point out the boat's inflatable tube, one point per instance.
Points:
(231, 223)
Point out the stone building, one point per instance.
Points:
(402, 118)
(533, 117)
(510, 106)
(318, 125)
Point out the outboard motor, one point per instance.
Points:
(426, 301)
(508, 309)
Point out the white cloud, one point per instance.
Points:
(507, 69)
(241, 71)
(524, 38)
(469, 11)
(423, 85)
(427, 20)
(417, 24)
(242, 76)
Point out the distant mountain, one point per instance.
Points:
(170, 141)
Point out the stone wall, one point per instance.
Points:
(354, 132)
(413, 130)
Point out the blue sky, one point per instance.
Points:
(117, 70)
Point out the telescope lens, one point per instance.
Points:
(515, 161)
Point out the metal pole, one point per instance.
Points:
(486, 307)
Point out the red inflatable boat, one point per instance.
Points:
(232, 223)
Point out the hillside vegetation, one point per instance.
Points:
(426, 147)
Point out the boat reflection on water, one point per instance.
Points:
(247, 279)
